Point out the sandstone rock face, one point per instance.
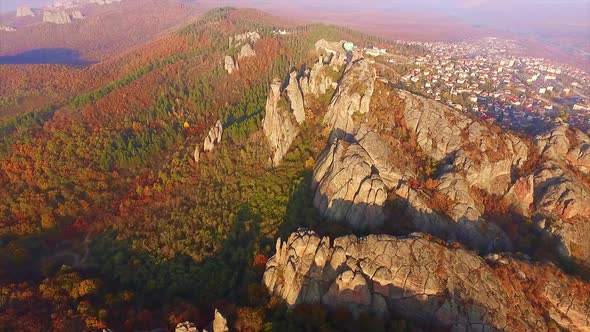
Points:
(353, 95)
(214, 137)
(423, 281)
(279, 124)
(229, 64)
(59, 17)
(24, 11)
(296, 98)
(567, 144)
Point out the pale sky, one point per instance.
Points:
(536, 16)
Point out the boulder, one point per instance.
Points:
(423, 281)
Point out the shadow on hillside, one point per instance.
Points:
(60, 56)
(160, 280)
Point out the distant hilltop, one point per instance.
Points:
(59, 12)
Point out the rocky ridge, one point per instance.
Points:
(425, 281)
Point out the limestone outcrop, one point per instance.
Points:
(352, 178)
(219, 323)
(76, 14)
(24, 11)
(230, 64)
(186, 327)
(214, 137)
(295, 97)
(323, 76)
(58, 17)
(7, 28)
(279, 125)
(244, 43)
(246, 51)
(425, 281)
(566, 144)
(249, 37)
(353, 95)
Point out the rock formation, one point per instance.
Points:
(250, 37)
(324, 75)
(295, 97)
(24, 11)
(214, 137)
(348, 184)
(279, 124)
(186, 327)
(197, 153)
(229, 64)
(104, 2)
(219, 323)
(244, 43)
(427, 282)
(76, 14)
(353, 95)
(567, 144)
(59, 17)
(246, 51)
(7, 28)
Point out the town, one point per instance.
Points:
(493, 79)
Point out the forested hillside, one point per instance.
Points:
(107, 221)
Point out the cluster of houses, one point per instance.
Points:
(492, 78)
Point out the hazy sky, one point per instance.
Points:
(10, 5)
(538, 16)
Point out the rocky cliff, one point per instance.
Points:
(427, 282)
